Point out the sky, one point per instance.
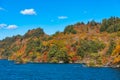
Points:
(19, 16)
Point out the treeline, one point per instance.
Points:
(107, 25)
(110, 25)
(88, 43)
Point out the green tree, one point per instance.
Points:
(57, 54)
(88, 46)
(70, 29)
(62, 55)
(112, 46)
(34, 46)
(34, 33)
(53, 50)
(92, 23)
(110, 25)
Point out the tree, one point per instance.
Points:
(88, 46)
(34, 33)
(110, 25)
(70, 29)
(116, 55)
(92, 23)
(34, 46)
(112, 46)
(53, 50)
(56, 33)
(79, 23)
(57, 54)
(80, 52)
(62, 55)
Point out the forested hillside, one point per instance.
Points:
(95, 44)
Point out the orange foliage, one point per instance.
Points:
(116, 54)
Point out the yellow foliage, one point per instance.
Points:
(116, 54)
(116, 60)
(116, 51)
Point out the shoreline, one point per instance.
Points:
(83, 64)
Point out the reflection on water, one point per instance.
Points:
(11, 71)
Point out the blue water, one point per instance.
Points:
(11, 71)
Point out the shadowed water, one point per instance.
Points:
(11, 71)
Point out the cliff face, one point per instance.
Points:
(93, 43)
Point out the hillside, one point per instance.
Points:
(95, 44)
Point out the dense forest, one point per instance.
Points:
(95, 44)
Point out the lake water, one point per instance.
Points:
(30, 71)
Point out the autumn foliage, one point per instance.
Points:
(91, 43)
